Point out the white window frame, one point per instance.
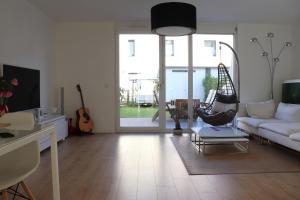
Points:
(132, 28)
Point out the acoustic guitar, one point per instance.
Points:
(84, 122)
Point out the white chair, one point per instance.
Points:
(209, 99)
(17, 165)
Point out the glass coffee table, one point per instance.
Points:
(202, 136)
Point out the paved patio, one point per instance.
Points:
(147, 122)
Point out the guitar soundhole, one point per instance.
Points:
(86, 116)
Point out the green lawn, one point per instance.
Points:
(138, 112)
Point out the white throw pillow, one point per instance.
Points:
(222, 107)
(288, 112)
(261, 110)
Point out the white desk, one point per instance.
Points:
(24, 137)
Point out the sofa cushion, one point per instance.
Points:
(247, 128)
(285, 129)
(295, 137)
(256, 122)
(261, 110)
(288, 112)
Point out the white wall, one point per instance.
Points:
(26, 40)
(255, 82)
(85, 54)
(296, 50)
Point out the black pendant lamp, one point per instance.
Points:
(173, 19)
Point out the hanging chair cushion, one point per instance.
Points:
(222, 107)
(217, 119)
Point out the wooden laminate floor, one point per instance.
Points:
(146, 166)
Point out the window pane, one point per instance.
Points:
(139, 80)
(205, 62)
(169, 47)
(180, 51)
(176, 70)
(211, 46)
(206, 50)
(131, 50)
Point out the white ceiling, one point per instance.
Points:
(255, 11)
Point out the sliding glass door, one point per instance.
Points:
(161, 75)
(206, 57)
(191, 74)
(176, 80)
(138, 80)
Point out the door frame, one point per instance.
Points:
(119, 128)
(162, 93)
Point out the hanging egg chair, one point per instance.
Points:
(222, 110)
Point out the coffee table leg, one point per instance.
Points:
(242, 148)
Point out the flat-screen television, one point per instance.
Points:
(291, 92)
(27, 94)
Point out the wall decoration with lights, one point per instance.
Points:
(269, 56)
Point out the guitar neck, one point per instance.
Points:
(82, 102)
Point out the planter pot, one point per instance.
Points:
(177, 131)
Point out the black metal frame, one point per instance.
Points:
(14, 191)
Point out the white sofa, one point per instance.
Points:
(283, 127)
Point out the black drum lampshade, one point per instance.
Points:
(173, 19)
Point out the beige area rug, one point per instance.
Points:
(227, 159)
